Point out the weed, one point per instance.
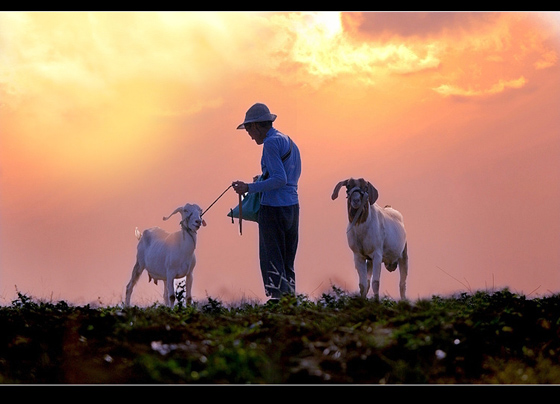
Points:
(480, 337)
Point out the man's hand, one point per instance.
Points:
(240, 187)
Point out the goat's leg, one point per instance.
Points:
(136, 272)
(360, 264)
(170, 290)
(189, 281)
(369, 266)
(403, 269)
(188, 287)
(165, 294)
(376, 274)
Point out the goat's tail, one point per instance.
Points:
(137, 233)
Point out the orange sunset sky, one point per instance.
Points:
(111, 120)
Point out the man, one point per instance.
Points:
(278, 218)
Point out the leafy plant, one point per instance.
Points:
(480, 337)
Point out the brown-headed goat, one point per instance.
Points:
(375, 235)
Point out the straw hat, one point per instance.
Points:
(257, 113)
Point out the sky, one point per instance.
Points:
(111, 120)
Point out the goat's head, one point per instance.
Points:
(357, 191)
(191, 217)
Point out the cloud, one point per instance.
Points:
(546, 60)
(96, 52)
(467, 54)
(318, 49)
(499, 87)
(414, 24)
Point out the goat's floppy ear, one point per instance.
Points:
(337, 188)
(175, 211)
(372, 193)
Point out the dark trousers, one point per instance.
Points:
(278, 240)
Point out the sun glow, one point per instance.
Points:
(328, 22)
(324, 50)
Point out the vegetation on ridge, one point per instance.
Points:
(482, 337)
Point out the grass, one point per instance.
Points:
(476, 338)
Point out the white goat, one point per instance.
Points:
(375, 235)
(168, 256)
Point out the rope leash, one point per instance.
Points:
(212, 204)
(240, 211)
(240, 215)
(360, 209)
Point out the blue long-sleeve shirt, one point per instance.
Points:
(280, 188)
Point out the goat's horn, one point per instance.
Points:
(337, 188)
(175, 211)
